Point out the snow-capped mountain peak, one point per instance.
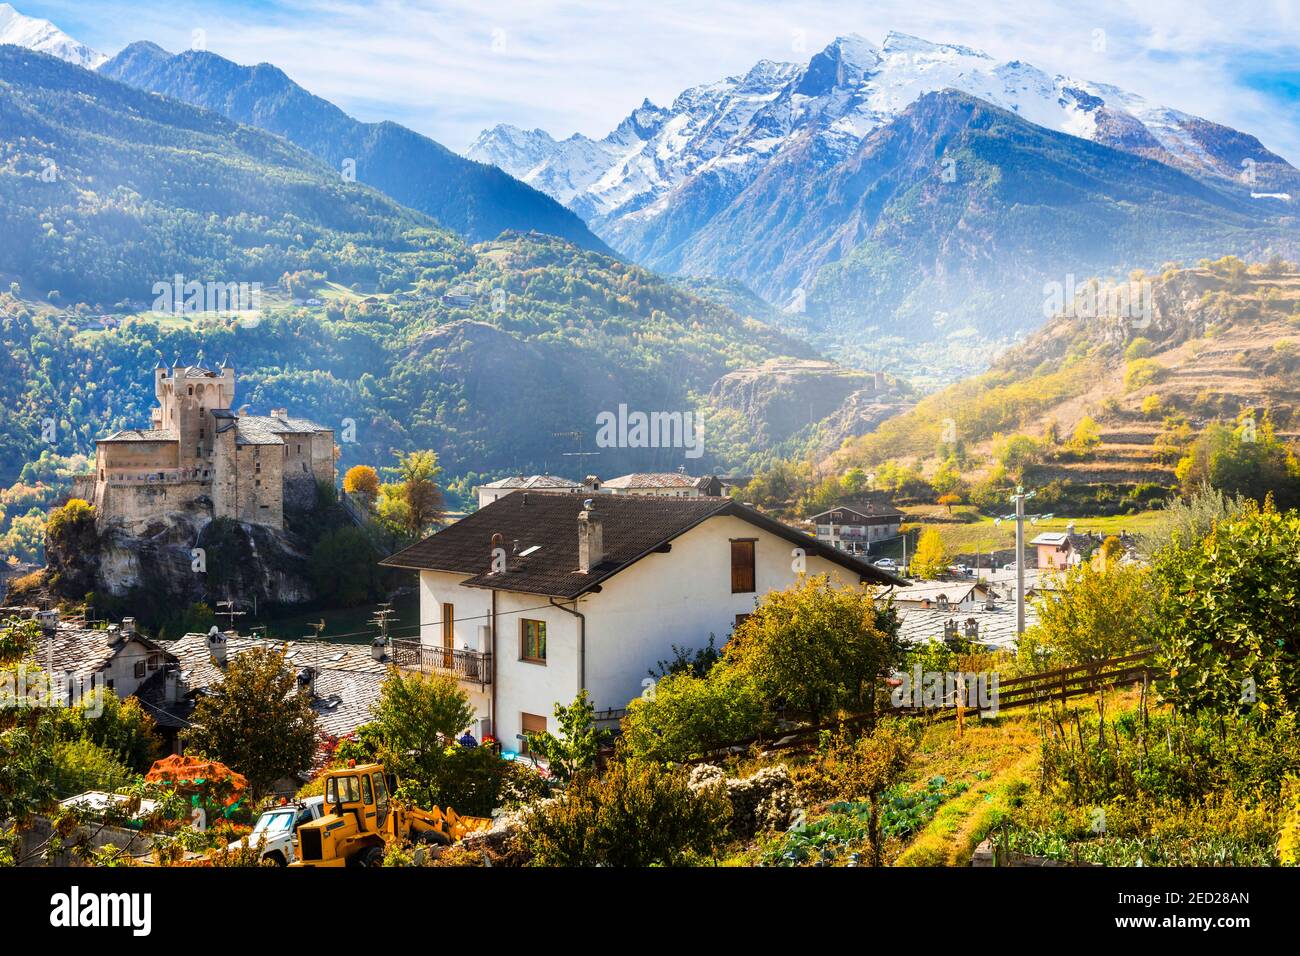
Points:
(729, 131)
(44, 37)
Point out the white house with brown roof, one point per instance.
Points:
(539, 595)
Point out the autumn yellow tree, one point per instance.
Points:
(362, 480)
(931, 558)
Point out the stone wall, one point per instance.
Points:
(136, 504)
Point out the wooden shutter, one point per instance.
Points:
(742, 566)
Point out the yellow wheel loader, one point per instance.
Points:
(361, 818)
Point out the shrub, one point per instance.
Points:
(1142, 372)
(1140, 347)
(82, 765)
(71, 528)
(817, 647)
(636, 815)
(688, 716)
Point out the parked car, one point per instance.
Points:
(887, 564)
(279, 828)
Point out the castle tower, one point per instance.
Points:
(187, 395)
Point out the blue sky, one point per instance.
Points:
(450, 68)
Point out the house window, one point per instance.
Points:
(153, 662)
(139, 670)
(742, 566)
(532, 641)
(530, 724)
(448, 633)
(741, 619)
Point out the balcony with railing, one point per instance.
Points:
(472, 666)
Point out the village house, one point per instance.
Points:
(965, 595)
(539, 595)
(200, 455)
(343, 680)
(1062, 549)
(493, 490)
(666, 484)
(854, 527)
(991, 624)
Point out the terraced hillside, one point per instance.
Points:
(1109, 402)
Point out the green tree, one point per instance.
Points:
(121, 727)
(1248, 460)
(1226, 616)
(817, 647)
(342, 565)
(255, 720)
(687, 716)
(1091, 616)
(17, 639)
(417, 719)
(574, 750)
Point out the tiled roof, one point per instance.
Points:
(955, 591)
(348, 679)
(632, 527)
(997, 628)
(143, 434)
(270, 429)
(533, 481)
(255, 430)
(866, 508)
(82, 650)
(657, 479)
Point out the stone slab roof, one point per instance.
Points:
(653, 479)
(348, 679)
(533, 481)
(142, 434)
(997, 628)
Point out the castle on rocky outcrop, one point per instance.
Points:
(202, 457)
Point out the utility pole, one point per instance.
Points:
(1019, 499)
(384, 614)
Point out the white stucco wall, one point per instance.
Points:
(680, 597)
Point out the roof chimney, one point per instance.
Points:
(128, 626)
(378, 648)
(307, 681)
(591, 483)
(173, 685)
(591, 543)
(1069, 528)
(217, 646)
